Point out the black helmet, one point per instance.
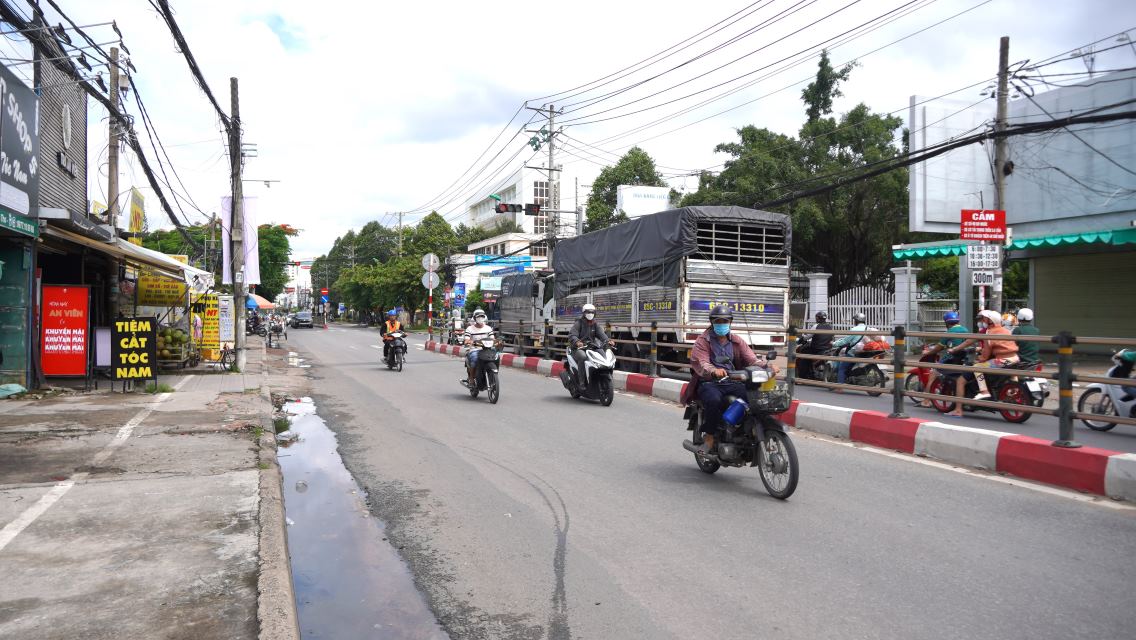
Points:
(721, 312)
(822, 316)
(859, 317)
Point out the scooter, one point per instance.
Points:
(1007, 384)
(752, 435)
(486, 369)
(1110, 399)
(919, 378)
(396, 350)
(599, 363)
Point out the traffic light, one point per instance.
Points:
(509, 208)
(532, 209)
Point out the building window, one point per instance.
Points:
(540, 196)
(539, 249)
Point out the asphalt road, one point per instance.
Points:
(544, 517)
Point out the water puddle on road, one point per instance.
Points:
(350, 582)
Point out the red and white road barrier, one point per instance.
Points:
(1088, 469)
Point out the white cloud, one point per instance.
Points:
(364, 108)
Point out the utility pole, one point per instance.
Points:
(1000, 156)
(112, 148)
(237, 226)
(400, 234)
(551, 222)
(579, 210)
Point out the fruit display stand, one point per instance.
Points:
(175, 349)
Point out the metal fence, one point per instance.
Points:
(876, 303)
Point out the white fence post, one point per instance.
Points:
(818, 295)
(905, 288)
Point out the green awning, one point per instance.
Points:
(1115, 237)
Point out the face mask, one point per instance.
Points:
(722, 329)
(479, 320)
(589, 315)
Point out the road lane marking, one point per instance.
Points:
(25, 519)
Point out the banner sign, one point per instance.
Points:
(504, 271)
(738, 307)
(137, 211)
(19, 145)
(983, 224)
(64, 330)
(134, 348)
(19, 224)
(459, 294)
(514, 260)
(225, 317)
(206, 322)
(160, 291)
(490, 283)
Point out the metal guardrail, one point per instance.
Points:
(544, 338)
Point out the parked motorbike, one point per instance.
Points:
(599, 363)
(396, 350)
(752, 435)
(1109, 399)
(486, 369)
(253, 326)
(1007, 384)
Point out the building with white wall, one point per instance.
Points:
(640, 200)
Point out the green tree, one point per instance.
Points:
(273, 248)
(634, 168)
(847, 232)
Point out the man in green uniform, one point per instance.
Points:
(1027, 351)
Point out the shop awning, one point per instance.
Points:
(141, 256)
(922, 251)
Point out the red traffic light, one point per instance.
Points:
(509, 208)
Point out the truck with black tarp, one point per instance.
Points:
(672, 267)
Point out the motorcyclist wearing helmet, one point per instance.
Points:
(818, 343)
(391, 325)
(585, 331)
(717, 352)
(995, 353)
(474, 334)
(951, 319)
(852, 345)
(1027, 351)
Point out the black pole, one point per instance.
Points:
(1065, 342)
(899, 357)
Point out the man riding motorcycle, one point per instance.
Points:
(716, 353)
(818, 344)
(852, 345)
(951, 320)
(390, 326)
(474, 333)
(1027, 351)
(585, 331)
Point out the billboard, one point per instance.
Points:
(63, 330)
(1063, 181)
(637, 200)
(19, 143)
(137, 211)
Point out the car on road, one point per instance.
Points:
(302, 319)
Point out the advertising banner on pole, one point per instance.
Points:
(134, 348)
(63, 330)
(207, 322)
(459, 294)
(159, 291)
(137, 211)
(225, 317)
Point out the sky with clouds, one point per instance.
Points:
(360, 109)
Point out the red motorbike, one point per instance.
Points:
(919, 378)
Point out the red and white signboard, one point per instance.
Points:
(983, 224)
(64, 329)
(323, 291)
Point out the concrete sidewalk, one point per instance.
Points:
(145, 516)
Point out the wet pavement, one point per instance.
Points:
(350, 581)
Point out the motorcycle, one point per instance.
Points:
(396, 350)
(865, 374)
(599, 363)
(1007, 384)
(919, 378)
(1109, 399)
(255, 327)
(752, 435)
(486, 369)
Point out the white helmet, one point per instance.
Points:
(479, 314)
(589, 307)
(993, 316)
(1025, 315)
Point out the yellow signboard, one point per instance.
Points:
(159, 291)
(206, 322)
(137, 211)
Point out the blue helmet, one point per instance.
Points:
(951, 317)
(392, 312)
